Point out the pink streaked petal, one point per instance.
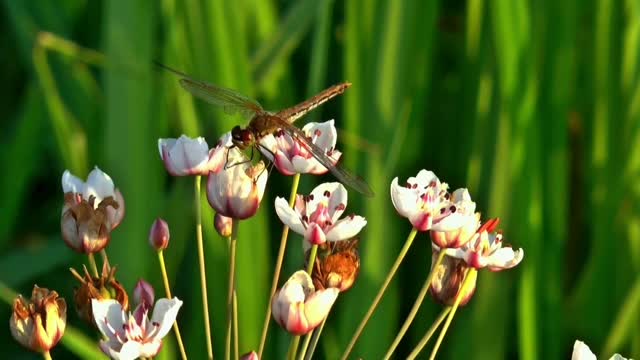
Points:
(217, 160)
(421, 221)
(318, 194)
(425, 178)
(296, 323)
(164, 313)
(116, 215)
(451, 221)
(71, 183)
(315, 235)
(243, 206)
(284, 165)
(288, 216)
(338, 200)
(303, 165)
(346, 228)
(319, 304)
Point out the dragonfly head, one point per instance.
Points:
(242, 138)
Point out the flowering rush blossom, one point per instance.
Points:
(91, 210)
(316, 216)
(485, 249)
(130, 336)
(449, 276)
(298, 307)
(290, 157)
(424, 200)
(582, 352)
(185, 156)
(235, 186)
(39, 324)
(465, 215)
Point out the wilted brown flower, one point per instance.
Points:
(39, 324)
(448, 279)
(337, 265)
(104, 287)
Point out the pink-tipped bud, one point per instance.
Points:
(159, 235)
(222, 225)
(250, 356)
(143, 293)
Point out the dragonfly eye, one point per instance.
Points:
(247, 136)
(236, 133)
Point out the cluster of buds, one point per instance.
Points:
(455, 229)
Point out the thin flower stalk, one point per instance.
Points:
(469, 280)
(278, 268)
(235, 324)
(46, 355)
(92, 264)
(295, 342)
(425, 339)
(167, 290)
(203, 276)
(416, 306)
(380, 293)
(231, 286)
(308, 355)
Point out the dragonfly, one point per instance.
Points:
(263, 123)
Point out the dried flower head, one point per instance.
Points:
(337, 265)
(39, 323)
(104, 287)
(448, 279)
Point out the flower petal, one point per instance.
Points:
(288, 216)
(109, 316)
(319, 304)
(98, 184)
(71, 183)
(582, 352)
(164, 313)
(346, 228)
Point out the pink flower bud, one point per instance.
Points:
(143, 293)
(159, 235)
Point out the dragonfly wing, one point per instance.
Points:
(342, 174)
(231, 101)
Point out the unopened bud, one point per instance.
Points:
(143, 293)
(159, 235)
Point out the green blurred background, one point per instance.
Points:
(532, 105)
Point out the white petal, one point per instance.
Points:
(165, 143)
(108, 315)
(129, 351)
(71, 183)
(302, 165)
(320, 190)
(319, 304)
(346, 228)
(164, 313)
(288, 216)
(98, 184)
(150, 349)
(338, 196)
(403, 199)
(505, 258)
(424, 178)
(328, 134)
(582, 352)
(268, 146)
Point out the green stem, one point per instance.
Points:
(92, 264)
(232, 284)
(381, 292)
(469, 279)
(235, 324)
(46, 355)
(296, 340)
(203, 276)
(167, 289)
(293, 348)
(429, 333)
(416, 306)
(312, 259)
(314, 341)
(305, 344)
(276, 273)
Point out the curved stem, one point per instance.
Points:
(92, 264)
(203, 276)
(381, 292)
(232, 285)
(429, 333)
(469, 279)
(167, 290)
(276, 273)
(416, 306)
